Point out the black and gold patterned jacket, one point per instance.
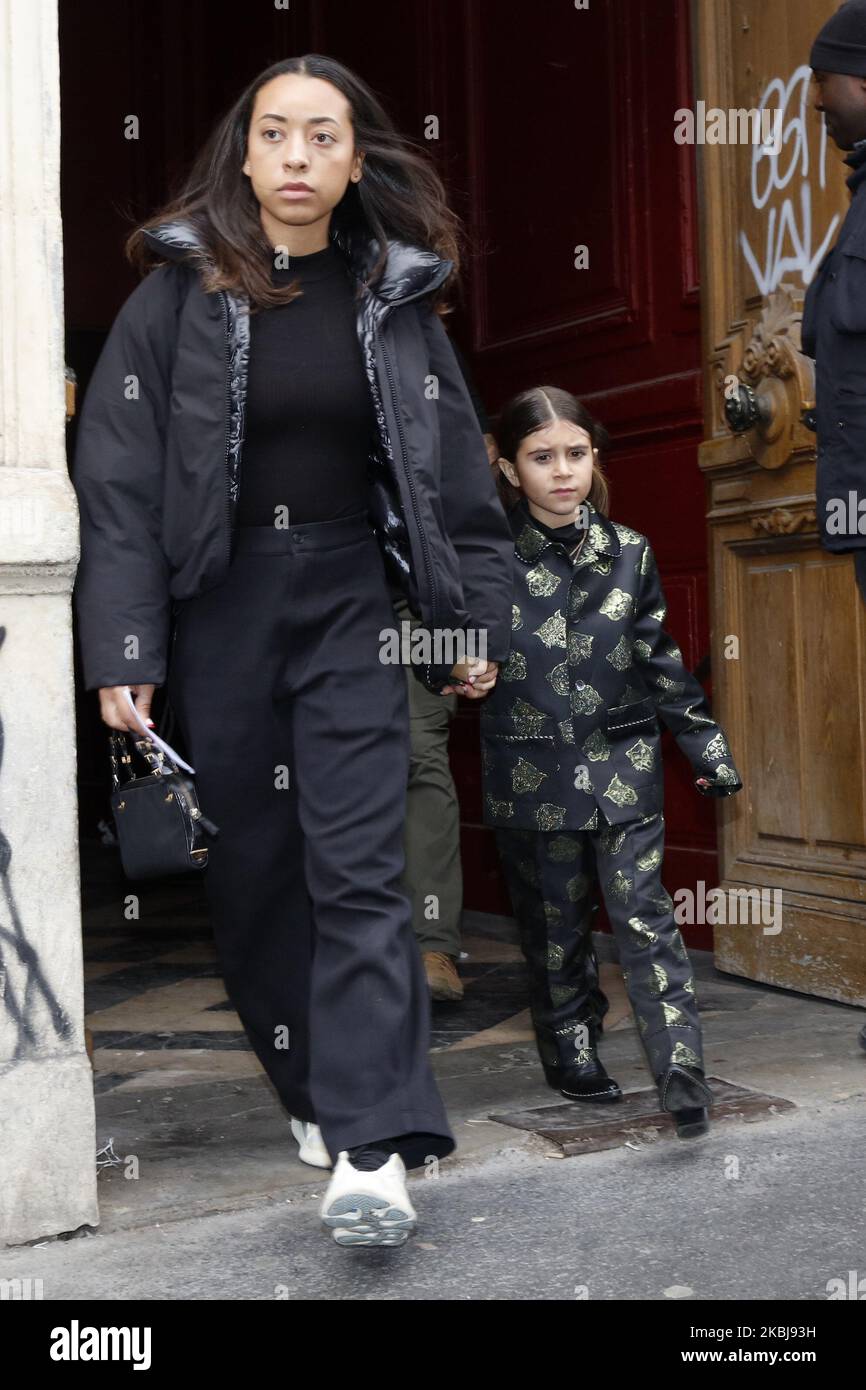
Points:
(571, 725)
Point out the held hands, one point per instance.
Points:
(474, 679)
(114, 706)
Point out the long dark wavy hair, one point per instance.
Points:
(530, 411)
(400, 195)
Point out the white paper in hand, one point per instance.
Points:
(155, 738)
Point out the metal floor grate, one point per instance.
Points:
(588, 1126)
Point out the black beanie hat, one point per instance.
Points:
(841, 44)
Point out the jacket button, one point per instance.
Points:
(841, 424)
(580, 685)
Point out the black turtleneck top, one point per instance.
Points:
(310, 423)
(570, 534)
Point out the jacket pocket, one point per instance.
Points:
(500, 727)
(635, 748)
(521, 768)
(848, 291)
(627, 719)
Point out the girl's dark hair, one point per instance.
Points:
(400, 194)
(530, 411)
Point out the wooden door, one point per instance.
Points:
(788, 623)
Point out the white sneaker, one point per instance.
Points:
(312, 1145)
(368, 1208)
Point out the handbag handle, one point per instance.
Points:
(159, 764)
(119, 753)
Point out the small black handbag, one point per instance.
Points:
(160, 825)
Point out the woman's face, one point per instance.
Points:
(300, 132)
(553, 469)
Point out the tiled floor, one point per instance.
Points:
(157, 1009)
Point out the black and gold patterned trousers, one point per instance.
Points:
(552, 879)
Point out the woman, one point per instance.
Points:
(291, 322)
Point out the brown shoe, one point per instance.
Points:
(442, 975)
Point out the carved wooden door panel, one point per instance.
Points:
(788, 622)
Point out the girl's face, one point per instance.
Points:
(300, 132)
(553, 469)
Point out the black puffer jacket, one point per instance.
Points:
(158, 460)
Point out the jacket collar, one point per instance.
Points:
(410, 271)
(530, 541)
(856, 161)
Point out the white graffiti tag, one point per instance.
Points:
(789, 227)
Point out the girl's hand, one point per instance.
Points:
(475, 679)
(708, 788)
(114, 706)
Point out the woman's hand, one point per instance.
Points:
(114, 706)
(474, 679)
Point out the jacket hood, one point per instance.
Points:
(410, 271)
(530, 540)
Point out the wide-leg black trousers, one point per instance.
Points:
(299, 736)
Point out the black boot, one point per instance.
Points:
(861, 1037)
(584, 1079)
(684, 1092)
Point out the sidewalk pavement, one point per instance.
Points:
(208, 1182)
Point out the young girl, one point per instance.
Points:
(572, 761)
(257, 457)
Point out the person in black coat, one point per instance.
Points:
(276, 427)
(834, 313)
(571, 758)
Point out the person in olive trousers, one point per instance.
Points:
(433, 877)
